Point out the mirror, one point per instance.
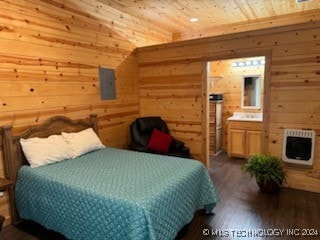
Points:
(250, 95)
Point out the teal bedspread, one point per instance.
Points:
(115, 194)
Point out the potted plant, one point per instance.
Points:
(268, 171)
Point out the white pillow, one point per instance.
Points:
(83, 142)
(42, 151)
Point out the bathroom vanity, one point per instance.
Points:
(244, 134)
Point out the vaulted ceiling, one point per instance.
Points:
(160, 21)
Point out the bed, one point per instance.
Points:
(107, 193)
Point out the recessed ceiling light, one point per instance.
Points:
(194, 19)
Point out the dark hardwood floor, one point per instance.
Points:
(243, 212)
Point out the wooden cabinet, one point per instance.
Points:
(212, 127)
(236, 142)
(215, 127)
(253, 142)
(244, 138)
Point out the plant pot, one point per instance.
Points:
(269, 187)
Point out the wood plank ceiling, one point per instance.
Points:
(216, 17)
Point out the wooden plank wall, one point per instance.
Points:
(293, 80)
(174, 92)
(49, 59)
(228, 81)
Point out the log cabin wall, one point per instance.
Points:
(170, 85)
(50, 54)
(173, 92)
(226, 79)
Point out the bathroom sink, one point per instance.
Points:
(243, 116)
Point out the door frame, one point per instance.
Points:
(266, 99)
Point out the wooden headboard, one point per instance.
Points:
(12, 151)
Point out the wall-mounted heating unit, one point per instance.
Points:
(298, 146)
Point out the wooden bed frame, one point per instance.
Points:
(14, 157)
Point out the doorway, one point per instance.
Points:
(230, 78)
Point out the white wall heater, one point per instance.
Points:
(298, 146)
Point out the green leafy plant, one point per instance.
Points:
(266, 169)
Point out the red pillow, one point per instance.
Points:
(159, 141)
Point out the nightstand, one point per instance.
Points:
(4, 185)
